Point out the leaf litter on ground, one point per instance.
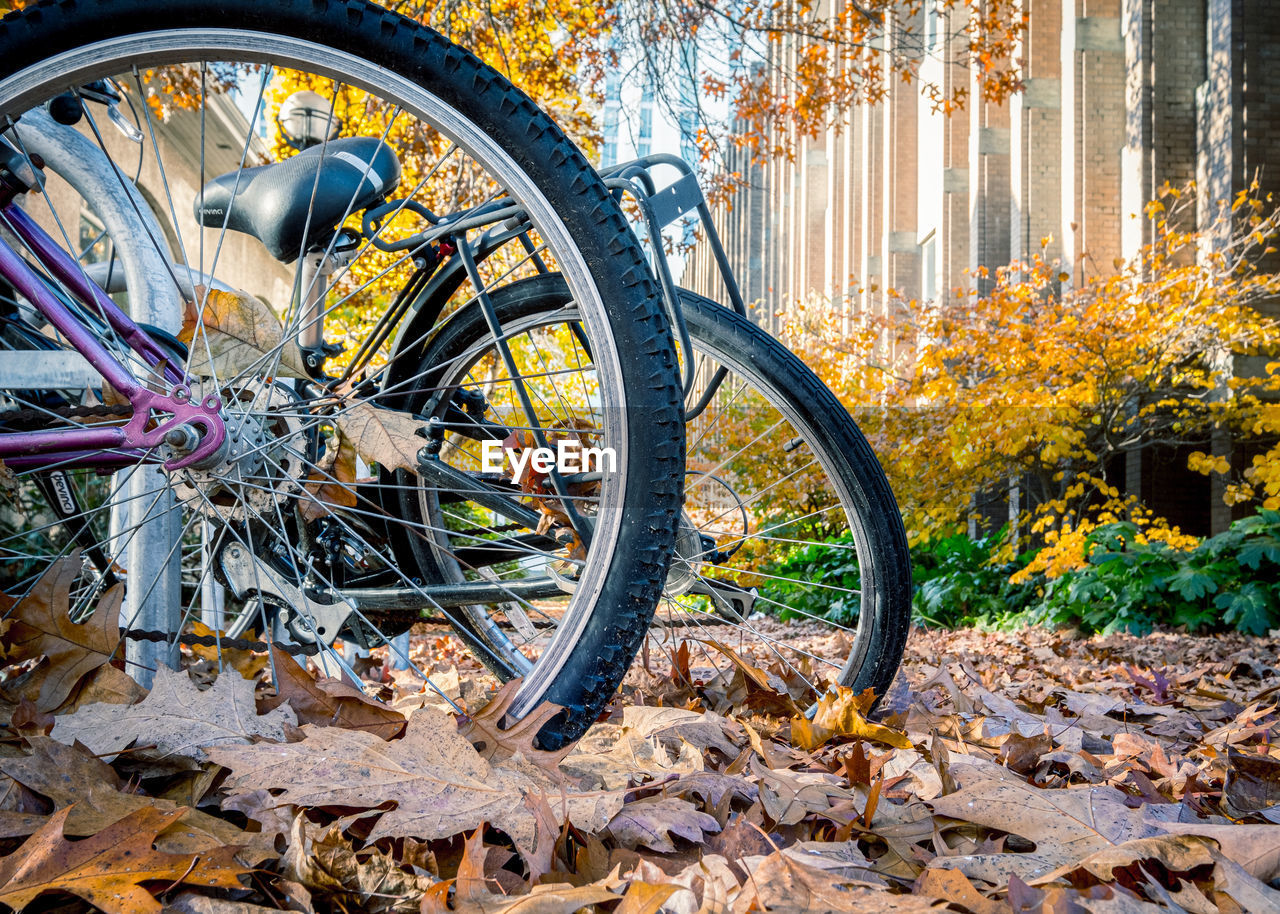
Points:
(1030, 771)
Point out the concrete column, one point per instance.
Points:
(1093, 134)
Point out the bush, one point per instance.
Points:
(1128, 583)
(958, 582)
(1231, 580)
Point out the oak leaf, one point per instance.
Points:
(1067, 826)
(108, 868)
(653, 820)
(247, 663)
(176, 720)
(790, 796)
(41, 625)
(329, 702)
(840, 714)
(386, 437)
(237, 332)
(485, 732)
(439, 783)
(782, 885)
(471, 893)
(329, 868)
(333, 482)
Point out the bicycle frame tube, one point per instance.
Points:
(132, 442)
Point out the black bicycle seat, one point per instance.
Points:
(271, 202)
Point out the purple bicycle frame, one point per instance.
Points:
(108, 446)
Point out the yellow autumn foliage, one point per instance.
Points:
(1047, 385)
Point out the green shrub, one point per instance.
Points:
(1229, 581)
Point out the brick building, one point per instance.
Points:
(1120, 96)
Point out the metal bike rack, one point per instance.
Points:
(147, 509)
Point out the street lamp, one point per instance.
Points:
(306, 119)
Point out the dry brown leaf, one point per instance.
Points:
(70, 776)
(790, 796)
(840, 714)
(610, 756)
(330, 869)
(1066, 825)
(386, 437)
(472, 894)
(8, 480)
(106, 684)
(1178, 854)
(329, 702)
(1254, 847)
(440, 785)
(41, 625)
(652, 821)
(176, 720)
(644, 898)
(333, 483)
(952, 886)
(671, 726)
(783, 885)
(484, 730)
(560, 898)
(239, 331)
(107, 869)
(247, 663)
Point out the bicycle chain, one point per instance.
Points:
(237, 644)
(16, 418)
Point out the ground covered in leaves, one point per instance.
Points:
(1026, 771)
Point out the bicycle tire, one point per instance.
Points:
(53, 43)
(827, 428)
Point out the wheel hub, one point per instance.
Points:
(263, 461)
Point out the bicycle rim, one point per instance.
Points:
(258, 506)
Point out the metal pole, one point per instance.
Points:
(153, 592)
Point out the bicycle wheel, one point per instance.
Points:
(435, 149)
(790, 545)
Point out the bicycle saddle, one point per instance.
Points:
(271, 202)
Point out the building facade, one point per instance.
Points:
(1119, 97)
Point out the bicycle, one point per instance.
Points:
(241, 438)
(429, 371)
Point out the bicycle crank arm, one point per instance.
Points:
(445, 596)
(731, 601)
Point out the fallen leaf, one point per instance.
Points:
(238, 332)
(782, 885)
(790, 796)
(439, 783)
(839, 714)
(107, 869)
(485, 732)
(1177, 853)
(386, 437)
(1067, 826)
(247, 663)
(652, 821)
(333, 482)
(330, 869)
(41, 625)
(952, 886)
(329, 702)
(176, 720)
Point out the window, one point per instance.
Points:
(932, 34)
(929, 268)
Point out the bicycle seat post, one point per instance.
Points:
(316, 267)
